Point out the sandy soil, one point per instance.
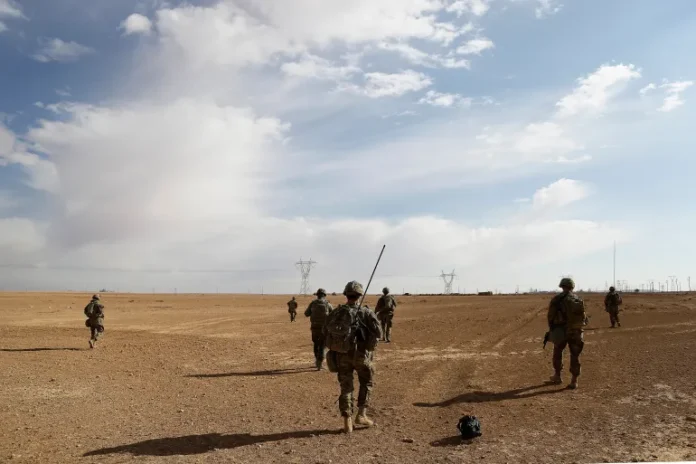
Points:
(213, 378)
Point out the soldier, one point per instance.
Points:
(352, 333)
(317, 311)
(385, 313)
(292, 309)
(95, 319)
(611, 305)
(566, 319)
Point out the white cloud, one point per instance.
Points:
(446, 100)
(560, 193)
(10, 9)
(311, 66)
(547, 8)
(58, 50)
(475, 7)
(226, 34)
(65, 93)
(594, 91)
(20, 235)
(544, 139)
(647, 88)
(475, 46)
(674, 91)
(379, 84)
(136, 24)
(421, 58)
(7, 201)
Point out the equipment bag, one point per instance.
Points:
(469, 427)
(341, 329)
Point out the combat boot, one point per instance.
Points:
(348, 424)
(362, 418)
(318, 363)
(91, 343)
(556, 378)
(573, 383)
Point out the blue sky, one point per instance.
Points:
(511, 140)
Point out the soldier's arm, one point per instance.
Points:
(553, 310)
(308, 311)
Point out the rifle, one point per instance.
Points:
(361, 328)
(547, 335)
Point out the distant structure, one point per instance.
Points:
(305, 267)
(448, 279)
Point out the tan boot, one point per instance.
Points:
(348, 424)
(362, 418)
(573, 383)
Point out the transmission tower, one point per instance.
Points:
(305, 267)
(448, 279)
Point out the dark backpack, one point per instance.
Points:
(469, 427)
(341, 329)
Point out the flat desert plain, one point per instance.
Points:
(228, 378)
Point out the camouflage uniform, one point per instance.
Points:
(95, 319)
(359, 359)
(317, 312)
(611, 305)
(292, 309)
(385, 313)
(566, 331)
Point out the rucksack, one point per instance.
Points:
(89, 309)
(319, 312)
(341, 329)
(574, 311)
(469, 427)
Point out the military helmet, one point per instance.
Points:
(612, 289)
(567, 282)
(385, 290)
(353, 288)
(95, 297)
(321, 291)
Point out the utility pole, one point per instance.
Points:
(614, 263)
(305, 267)
(448, 278)
(688, 281)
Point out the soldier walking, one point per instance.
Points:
(566, 319)
(352, 333)
(317, 312)
(292, 309)
(385, 313)
(95, 319)
(612, 301)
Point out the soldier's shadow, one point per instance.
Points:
(199, 444)
(23, 350)
(487, 397)
(297, 370)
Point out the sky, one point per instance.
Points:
(205, 146)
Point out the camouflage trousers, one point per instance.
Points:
(318, 338)
(293, 315)
(96, 332)
(574, 341)
(613, 316)
(362, 363)
(385, 319)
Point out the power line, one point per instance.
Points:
(305, 267)
(448, 279)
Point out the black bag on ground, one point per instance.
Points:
(469, 427)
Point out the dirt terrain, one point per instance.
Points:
(227, 378)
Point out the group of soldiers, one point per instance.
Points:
(350, 332)
(566, 319)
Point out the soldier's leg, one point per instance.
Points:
(92, 331)
(616, 316)
(345, 379)
(388, 327)
(612, 318)
(575, 345)
(366, 377)
(558, 360)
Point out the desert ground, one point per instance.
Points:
(227, 378)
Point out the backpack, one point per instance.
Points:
(341, 329)
(573, 309)
(469, 427)
(319, 312)
(89, 309)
